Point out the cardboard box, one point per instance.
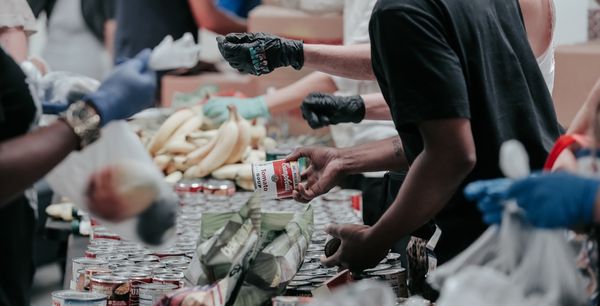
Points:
(577, 69)
(294, 24)
(226, 82)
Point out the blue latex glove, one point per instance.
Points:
(549, 200)
(490, 195)
(130, 88)
(51, 108)
(216, 108)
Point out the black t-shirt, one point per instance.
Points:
(442, 59)
(17, 109)
(144, 23)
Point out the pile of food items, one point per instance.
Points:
(188, 146)
(136, 275)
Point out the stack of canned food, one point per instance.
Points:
(341, 207)
(122, 272)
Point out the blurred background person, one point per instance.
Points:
(240, 8)
(76, 35)
(16, 24)
(144, 23)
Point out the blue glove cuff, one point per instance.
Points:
(93, 99)
(590, 192)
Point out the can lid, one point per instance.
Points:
(218, 184)
(76, 296)
(103, 278)
(158, 286)
(90, 261)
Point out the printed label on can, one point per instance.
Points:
(277, 179)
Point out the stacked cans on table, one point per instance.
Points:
(312, 274)
(130, 274)
(342, 207)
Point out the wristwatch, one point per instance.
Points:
(85, 122)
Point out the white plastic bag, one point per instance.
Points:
(117, 144)
(363, 293)
(514, 264)
(169, 54)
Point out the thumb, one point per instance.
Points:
(335, 230)
(331, 261)
(299, 152)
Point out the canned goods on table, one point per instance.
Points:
(75, 298)
(170, 278)
(136, 279)
(219, 187)
(83, 262)
(190, 186)
(104, 235)
(116, 288)
(151, 293)
(290, 300)
(85, 276)
(277, 179)
(396, 278)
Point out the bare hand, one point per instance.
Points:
(325, 172)
(104, 199)
(358, 250)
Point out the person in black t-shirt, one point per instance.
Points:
(26, 156)
(144, 23)
(460, 78)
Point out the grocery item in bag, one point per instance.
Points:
(512, 265)
(118, 145)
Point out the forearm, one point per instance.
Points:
(415, 205)
(14, 42)
(210, 17)
(353, 62)
(386, 154)
(26, 159)
(587, 113)
(376, 108)
(290, 97)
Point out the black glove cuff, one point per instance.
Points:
(357, 108)
(294, 53)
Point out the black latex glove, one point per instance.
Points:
(260, 53)
(321, 109)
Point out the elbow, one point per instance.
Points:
(465, 162)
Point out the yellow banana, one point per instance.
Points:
(243, 140)
(168, 128)
(226, 140)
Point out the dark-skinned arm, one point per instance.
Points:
(447, 158)
(26, 159)
(382, 155)
(329, 165)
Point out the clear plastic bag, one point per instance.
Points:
(514, 264)
(363, 293)
(118, 144)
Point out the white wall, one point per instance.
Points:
(571, 21)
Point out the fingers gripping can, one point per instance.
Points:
(277, 179)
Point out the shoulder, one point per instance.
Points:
(402, 10)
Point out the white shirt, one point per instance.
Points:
(357, 14)
(17, 13)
